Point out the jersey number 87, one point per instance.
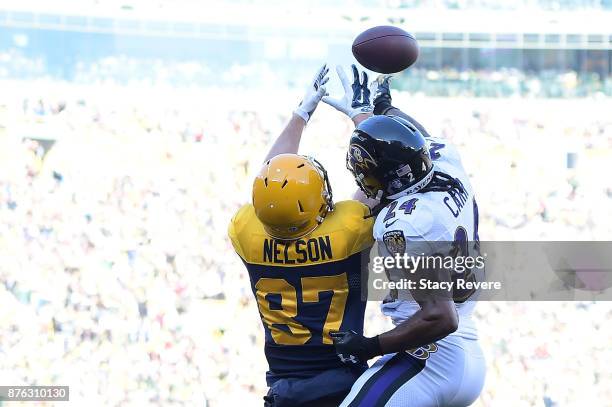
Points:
(297, 333)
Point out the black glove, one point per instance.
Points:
(356, 98)
(352, 347)
(382, 95)
(361, 92)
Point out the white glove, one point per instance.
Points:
(356, 98)
(314, 93)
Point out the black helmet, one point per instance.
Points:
(388, 154)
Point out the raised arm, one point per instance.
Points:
(356, 104)
(289, 139)
(382, 103)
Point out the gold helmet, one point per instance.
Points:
(291, 196)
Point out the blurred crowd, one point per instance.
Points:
(117, 277)
(445, 82)
(504, 82)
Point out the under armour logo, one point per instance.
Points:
(351, 358)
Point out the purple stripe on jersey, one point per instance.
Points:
(384, 381)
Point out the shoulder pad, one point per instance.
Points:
(354, 217)
(352, 208)
(349, 216)
(237, 226)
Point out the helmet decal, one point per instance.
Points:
(360, 157)
(404, 170)
(396, 184)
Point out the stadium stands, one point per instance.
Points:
(118, 272)
(125, 150)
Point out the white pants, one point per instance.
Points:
(449, 373)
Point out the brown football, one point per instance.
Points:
(385, 49)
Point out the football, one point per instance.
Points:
(385, 49)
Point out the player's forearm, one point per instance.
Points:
(288, 142)
(424, 327)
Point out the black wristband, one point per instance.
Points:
(372, 346)
(382, 107)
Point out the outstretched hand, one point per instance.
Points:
(314, 93)
(356, 97)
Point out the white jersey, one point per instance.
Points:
(412, 222)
